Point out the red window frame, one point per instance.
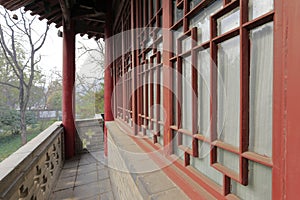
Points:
(148, 19)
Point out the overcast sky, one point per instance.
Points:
(52, 50)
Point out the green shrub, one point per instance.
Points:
(10, 120)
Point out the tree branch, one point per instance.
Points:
(44, 39)
(15, 24)
(7, 51)
(8, 84)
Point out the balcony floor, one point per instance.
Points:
(84, 177)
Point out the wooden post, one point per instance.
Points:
(68, 89)
(167, 74)
(108, 79)
(286, 113)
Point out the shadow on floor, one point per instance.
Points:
(84, 177)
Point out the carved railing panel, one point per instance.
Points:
(89, 135)
(31, 172)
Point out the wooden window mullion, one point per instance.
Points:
(244, 91)
(213, 89)
(194, 92)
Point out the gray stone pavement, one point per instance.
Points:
(84, 177)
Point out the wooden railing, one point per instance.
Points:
(32, 171)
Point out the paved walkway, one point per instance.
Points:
(84, 177)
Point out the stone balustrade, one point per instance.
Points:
(89, 135)
(32, 171)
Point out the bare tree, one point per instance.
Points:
(20, 44)
(93, 56)
(90, 78)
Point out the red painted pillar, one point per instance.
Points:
(108, 79)
(286, 137)
(68, 111)
(167, 76)
(292, 47)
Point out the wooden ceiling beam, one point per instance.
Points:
(89, 15)
(37, 12)
(54, 11)
(92, 34)
(95, 20)
(4, 3)
(81, 13)
(13, 5)
(54, 19)
(65, 7)
(31, 7)
(83, 27)
(59, 24)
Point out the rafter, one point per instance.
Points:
(55, 10)
(82, 26)
(21, 3)
(65, 7)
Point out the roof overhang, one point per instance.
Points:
(88, 15)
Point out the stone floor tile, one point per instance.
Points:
(99, 156)
(86, 178)
(107, 196)
(87, 190)
(97, 197)
(64, 183)
(71, 164)
(84, 162)
(84, 169)
(68, 172)
(62, 194)
(100, 166)
(103, 174)
(87, 161)
(105, 186)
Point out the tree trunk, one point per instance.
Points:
(22, 66)
(23, 126)
(22, 110)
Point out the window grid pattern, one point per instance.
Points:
(235, 170)
(230, 166)
(123, 68)
(149, 71)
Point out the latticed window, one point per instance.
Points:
(123, 68)
(221, 77)
(150, 71)
(230, 138)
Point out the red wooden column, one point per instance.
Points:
(286, 137)
(292, 100)
(68, 89)
(108, 79)
(134, 93)
(167, 75)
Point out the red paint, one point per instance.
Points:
(108, 80)
(68, 111)
(278, 179)
(286, 111)
(167, 74)
(291, 60)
